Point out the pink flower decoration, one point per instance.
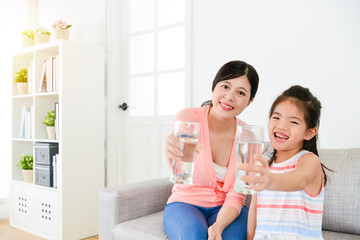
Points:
(60, 24)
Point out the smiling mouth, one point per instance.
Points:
(226, 107)
(280, 136)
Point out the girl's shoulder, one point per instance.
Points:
(305, 155)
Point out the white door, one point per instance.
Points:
(154, 83)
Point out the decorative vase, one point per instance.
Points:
(41, 38)
(60, 33)
(27, 42)
(51, 132)
(28, 175)
(22, 88)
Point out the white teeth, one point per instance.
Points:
(226, 106)
(282, 136)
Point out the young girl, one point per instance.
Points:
(291, 207)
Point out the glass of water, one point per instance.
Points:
(249, 141)
(188, 134)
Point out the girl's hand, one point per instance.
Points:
(214, 232)
(173, 150)
(258, 183)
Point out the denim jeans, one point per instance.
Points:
(183, 221)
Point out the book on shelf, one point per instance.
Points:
(49, 81)
(30, 76)
(55, 170)
(56, 73)
(26, 130)
(42, 86)
(56, 120)
(49, 74)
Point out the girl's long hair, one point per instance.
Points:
(311, 107)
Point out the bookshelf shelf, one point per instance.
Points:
(77, 88)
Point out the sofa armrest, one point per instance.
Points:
(129, 201)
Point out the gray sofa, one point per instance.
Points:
(134, 211)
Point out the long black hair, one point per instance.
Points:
(235, 69)
(311, 107)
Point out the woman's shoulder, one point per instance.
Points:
(192, 114)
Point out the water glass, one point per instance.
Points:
(187, 133)
(249, 141)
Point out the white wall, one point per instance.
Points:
(87, 17)
(311, 43)
(10, 39)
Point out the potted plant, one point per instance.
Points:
(26, 164)
(28, 38)
(61, 30)
(42, 35)
(49, 121)
(21, 80)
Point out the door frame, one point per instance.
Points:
(114, 95)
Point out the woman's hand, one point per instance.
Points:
(214, 232)
(258, 183)
(173, 150)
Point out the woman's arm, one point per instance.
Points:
(224, 218)
(252, 218)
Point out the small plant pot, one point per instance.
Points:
(22, 88)
(27, 42)
(41, 38)
(28, 175)
(60, 33)
(51, 132)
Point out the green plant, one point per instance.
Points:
(26, 162)
(43, 31)
(28, 33)
(21, 75)
(49, 119)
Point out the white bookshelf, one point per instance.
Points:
(71, 210)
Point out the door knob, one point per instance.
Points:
(123, 106)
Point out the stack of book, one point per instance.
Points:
(49, 81)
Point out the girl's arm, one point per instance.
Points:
(308, 169)
(252, 218)
(224, 218)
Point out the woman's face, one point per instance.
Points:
(231, 97)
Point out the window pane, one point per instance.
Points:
(171, 97)
(142, 54)
(171, 11)
(172, 48)
(141, 96)
(141, 15)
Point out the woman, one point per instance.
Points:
(210, 208)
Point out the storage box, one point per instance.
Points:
(44, 153)
(44, 175)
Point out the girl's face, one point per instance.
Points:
(231, 97)
(287, 127)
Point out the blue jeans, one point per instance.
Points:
(183, 221)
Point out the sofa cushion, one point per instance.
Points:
(342, 192)
(328, 235)
(148, 227)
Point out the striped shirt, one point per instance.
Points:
(289, 215)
